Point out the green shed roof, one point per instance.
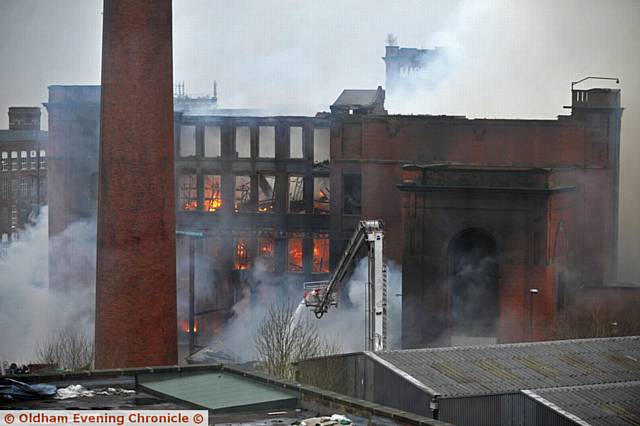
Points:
(219, 391)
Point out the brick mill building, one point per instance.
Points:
(497, 224)
(23, 165)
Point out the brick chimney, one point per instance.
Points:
(24, 118)
(136, 255)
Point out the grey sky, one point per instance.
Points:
(511, 58)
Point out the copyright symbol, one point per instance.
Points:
(197, 418)
(9, 418)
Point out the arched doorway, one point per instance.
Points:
(473, 267)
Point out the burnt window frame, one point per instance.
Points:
(248, 204)
(211, 173)
(181, 203)
(302, 200)
(274, 194)
(328, 187)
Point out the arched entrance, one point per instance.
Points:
(473, 268)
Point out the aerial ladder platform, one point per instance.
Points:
(319, 296)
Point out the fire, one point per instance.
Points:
(214, 203)
(241, 256)
(321, 255)
(295, 255)
(190, 205)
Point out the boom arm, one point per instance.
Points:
(320, 295)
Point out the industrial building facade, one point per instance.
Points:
(485, 217)
(23, 172)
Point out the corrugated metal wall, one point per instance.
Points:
(358, 376)
(485, 410)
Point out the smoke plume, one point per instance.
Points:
(30, 312)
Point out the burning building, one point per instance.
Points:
(471, 207)
(23, 165)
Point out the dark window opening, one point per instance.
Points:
(188, 192)
(242, 202)
(474, 298)
(296, 194)
(352, 194)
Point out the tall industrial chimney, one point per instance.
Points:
(135, 282)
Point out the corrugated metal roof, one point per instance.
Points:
(350, 97)
(475, 370)
(218, 391)
(22, 135)
(603, 404)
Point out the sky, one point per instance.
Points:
(511, 59)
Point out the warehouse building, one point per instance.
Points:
(569, 382)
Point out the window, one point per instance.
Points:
(320, 146)
(24, 187)
(14, 160)
(242, 194)
(266, 253)
(4, 166)
(188, 192)
(296, 194)
(295, 142)
(295, 254)
(321, 254)
(23, 160)
(243, 142)
(212, 141)
(43, 190)
(14, 217)
(43, 159)
(352, 190)
(14, 187)
(242, 257)
(267, 142)
(212, 197)
(266, 193)
(4, 188)
(34, 160)
(187, 141)
(321, 200)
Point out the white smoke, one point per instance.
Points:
(29, 312)
(342, 326)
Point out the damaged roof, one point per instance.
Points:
(357, 97)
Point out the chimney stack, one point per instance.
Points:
(135, 270)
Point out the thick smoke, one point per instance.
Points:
(29, 311)
(342, 326)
